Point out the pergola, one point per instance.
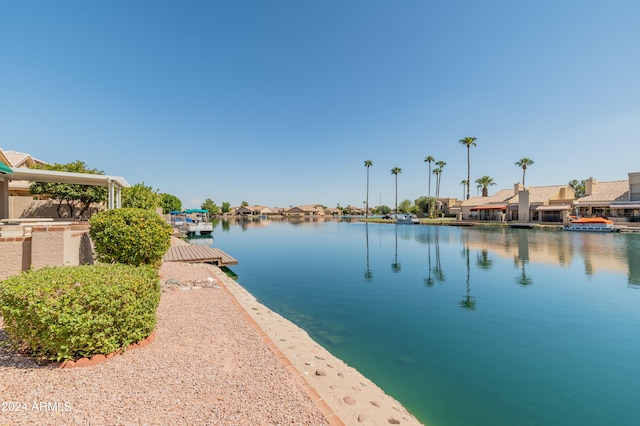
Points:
(114, 183)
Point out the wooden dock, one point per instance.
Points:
(198, 254)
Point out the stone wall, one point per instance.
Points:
(45, 245)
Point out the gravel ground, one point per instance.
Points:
(206, 367)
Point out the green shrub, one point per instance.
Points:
(61, 313)
(130, 236)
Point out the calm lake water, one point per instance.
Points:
(464, 326)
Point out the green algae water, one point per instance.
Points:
(463, 326)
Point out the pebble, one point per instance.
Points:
(349, 400)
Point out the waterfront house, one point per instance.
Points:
(618, 200)
(253, 211)
(492, 207)
(306, 210)
(536, 203)
(541, 203)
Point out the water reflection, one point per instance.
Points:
(395, 265)
(468, 302)
(619, 253)
(368, 275)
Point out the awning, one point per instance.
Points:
(501, 207)
(553, 208)
(4, 169)
(625, 206)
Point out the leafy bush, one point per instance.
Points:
(61, 313)
(130, 236)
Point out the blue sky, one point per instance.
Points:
(280, 102)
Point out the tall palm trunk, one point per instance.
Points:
(468, 168)
(366, 211)
(396, 171)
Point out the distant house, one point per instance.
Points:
(492, 207)
(333, 211)
(448, 206)
(354, 211)
(306, 210)
(253, 210)
(619, 200)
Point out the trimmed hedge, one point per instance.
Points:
(62, 313)
(130, 236)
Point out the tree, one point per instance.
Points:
(395, 171)
(441, 165)
(226, 207)
(468, 142)
(140, 196)
(578, 187)
(429, 159)
(423, 204)
(464, 184)
(210, 206)
(244, 204)
(437, 172)
(170, 203)
(485, 182)
(405, 206)
(384, 209)
(524, 163)
(70, 193)
(367, 164)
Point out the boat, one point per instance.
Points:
(591, 224)
(407, 219)
(193, 222)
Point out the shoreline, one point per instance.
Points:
(348, 393)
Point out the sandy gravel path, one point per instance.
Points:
(208, 366)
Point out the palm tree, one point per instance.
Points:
(437, 172)
(464, 183)
(468, 142)
(441, 165)
(524, 163)
(429, 159)
(367, 164)
(485, 182)
(396, 171)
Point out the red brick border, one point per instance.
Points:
(97, 359)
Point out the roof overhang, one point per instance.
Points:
(553, 208)
(37, 175)
(626, 206)
(500, 207)
(4, 169)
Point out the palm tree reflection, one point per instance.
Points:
(483, 261)
(428, 281)
(395, 265)
(468, 302)
(368, 275)
(523, 279)
(438, 268)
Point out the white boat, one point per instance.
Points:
(407, 219)
(198, 228)
(591, 224)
